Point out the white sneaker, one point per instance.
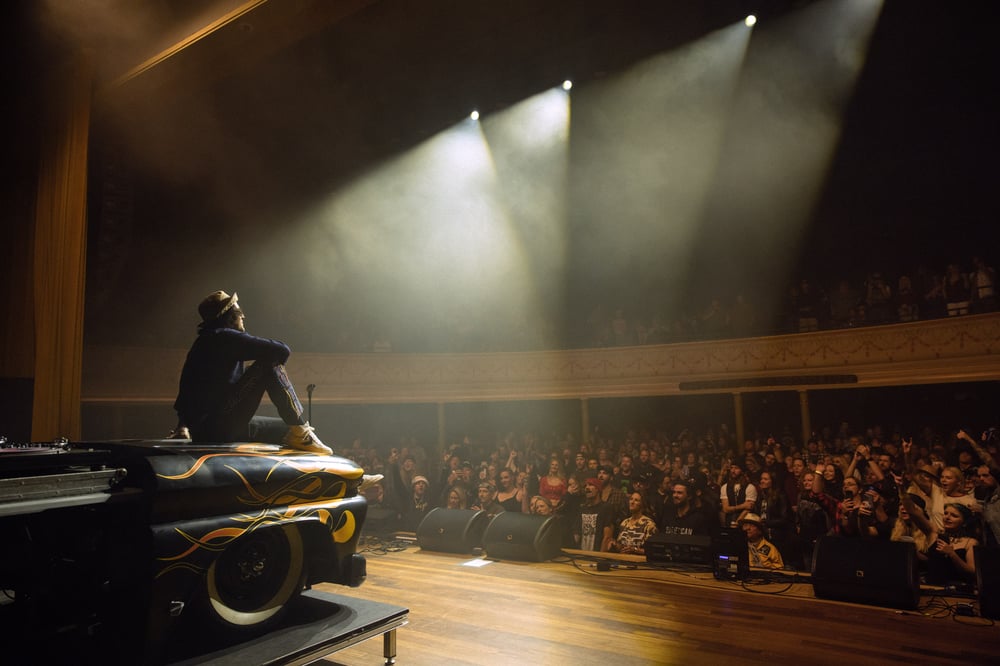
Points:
(303, 438)
(369, 480)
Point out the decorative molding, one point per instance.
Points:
(946, 350)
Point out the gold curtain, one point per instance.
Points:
(60, 251)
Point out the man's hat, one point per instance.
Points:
(930, 471)
(752, 518)
(216, 304)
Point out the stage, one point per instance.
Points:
(568, 612)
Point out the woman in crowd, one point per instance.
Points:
(833, 480)
(457, 498)
(509, 495)
(913, 525)
(552, 486)
(775, 515)
(634, 530)
(860, 513)
(539, 506)
(950, 558)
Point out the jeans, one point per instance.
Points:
(236, 421)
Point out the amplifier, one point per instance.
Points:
(679, 548)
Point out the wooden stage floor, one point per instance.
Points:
(567, 612)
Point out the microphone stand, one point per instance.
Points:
(309, 390)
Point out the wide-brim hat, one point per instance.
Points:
(931, 471)
(752, 518)
(217, 304)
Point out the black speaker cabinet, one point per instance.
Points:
(988, 581)
(866, 571)
(452, 530)
(524, 537)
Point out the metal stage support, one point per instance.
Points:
(321, 625)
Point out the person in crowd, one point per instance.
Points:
(634, 530)
(907, 300)
(762, 553)
(486, 499)
(815, 515)
(774, 512)
(737, 496)
(951, 557)
(833, 480)
(552, 486)
(681, 517)
(913, 525)
(457, 498)
(793, 479)
(957, 291)
(509, 495)
(540, 506)
(626, 475)
(612, 494)
(417, 506)
(878, 299)
(861, 513)
(948, 487)
(218, 395)
(593, 528)
(658, 498)
(982, 283)
(987, 490)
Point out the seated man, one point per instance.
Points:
(218, 397)
(487, 499)
(680, 517)
(762, 552)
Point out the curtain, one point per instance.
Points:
(60, 248)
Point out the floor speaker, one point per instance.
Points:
(524, 537)
(678, 548)
(988, 581)
(452, 530)
(866, 571)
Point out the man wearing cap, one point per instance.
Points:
(762, 553)
(486, 499)
(593, 528)
(219, 396)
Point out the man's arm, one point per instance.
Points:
(980, 450)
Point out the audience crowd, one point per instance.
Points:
(807, 306)
(611, 494)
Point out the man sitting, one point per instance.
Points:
(762, 552)
(680, 517)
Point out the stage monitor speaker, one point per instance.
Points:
(866, 571)
(678, 548)
(730, 556)
(524, 537)
(452, 530)
(988, 581)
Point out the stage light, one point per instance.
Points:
(750, 20)
(474, 115)
(567, 84)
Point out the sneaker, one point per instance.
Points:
(369, 480)
(303, 438)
